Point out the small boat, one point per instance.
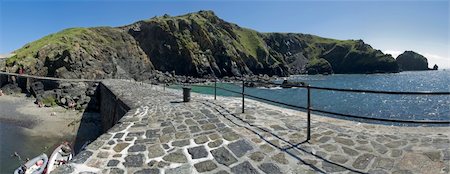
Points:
(34, 166)
(61, 155)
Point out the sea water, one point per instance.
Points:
(403, 107)
(16, 139)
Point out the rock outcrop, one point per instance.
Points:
(196, 44)
(412, 61)
(319, 66)
(90, 53)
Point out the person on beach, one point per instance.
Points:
(21, 70)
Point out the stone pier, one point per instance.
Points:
(162, 134)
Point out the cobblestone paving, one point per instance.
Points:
(164, 135)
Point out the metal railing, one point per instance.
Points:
(310, 109)
(46, 78)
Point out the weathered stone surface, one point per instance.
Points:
(215, 143)
(134, 160)
(329, 147)
(269, 168)
(147, 171)
(383, 163)
(112, 163)
(419, 163)
(194, 129)
(82, 157)
(433, 155)
(395, 144)
(329, 167)
(222, 172)
(240, 148)
(268, 152)
(103, 154)
(341, 159)
(137, 148)
(364, 148)
(198, 152)
(205, 166)
(379, 147)
(324, 139)
(181, 143)
(402, 172)
(135, 134)
(344, 141)
(280, 158)
(182, 135)
(201, 139)
(266, 148)
(244, 168)
(257, 156)
(119, 135)
(168, 130)
(64, 169)
(223, 156)
(116, 171)
(350, 151)
(180, 170)
(162, 164)
(165, 138)
(231, 136)
(120, 146)
(208, 127)
(176, 157)
(396, 153)
(155, 151)
(377, 171)
(363, 161)
(152, 133)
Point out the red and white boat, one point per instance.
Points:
(61, 155)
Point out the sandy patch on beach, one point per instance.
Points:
(47, 121)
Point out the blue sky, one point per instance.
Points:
(391, 26)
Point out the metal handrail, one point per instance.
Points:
(359, 90)
(47, 78)
(310, 109)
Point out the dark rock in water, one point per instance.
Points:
(412, 61)
(290, 84)
(10, 89)
(435, 67)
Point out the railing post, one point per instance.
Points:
(309, 114)
(215, 89)
(243, 105)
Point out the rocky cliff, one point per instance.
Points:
(412, 61)
(196, 44)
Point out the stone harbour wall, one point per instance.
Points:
(162, 134)
(112, 108)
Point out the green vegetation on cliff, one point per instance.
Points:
(197, 44)
(319, 66)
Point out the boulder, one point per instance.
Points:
(412, 61)
(10, 89)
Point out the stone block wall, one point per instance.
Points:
(111, 107)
